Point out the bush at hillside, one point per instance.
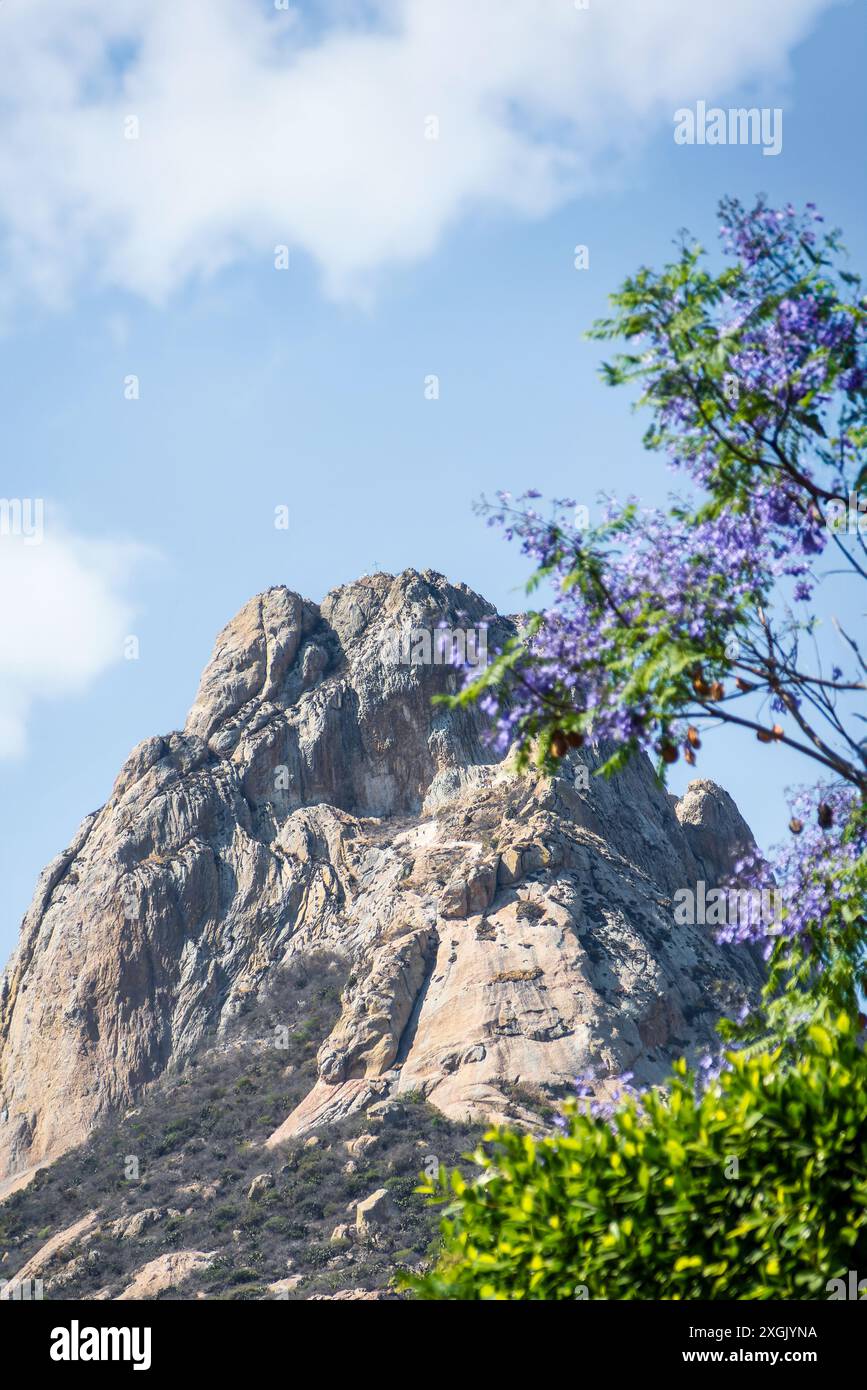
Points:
(754, 1187)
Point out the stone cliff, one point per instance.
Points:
(504, 934)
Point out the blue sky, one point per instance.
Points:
(260, 388)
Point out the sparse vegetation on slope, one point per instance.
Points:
(196, 1139)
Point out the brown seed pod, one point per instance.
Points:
(701, 687)
(689, 755)
(778, 731)
(764, 736)
(558, 744)
(717, 691)
(575, 740)
(692, 736)
(795, 825)
(825, 815)
(743, 685)
(669, 753)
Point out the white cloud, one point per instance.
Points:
(64, 620)
(257, 129)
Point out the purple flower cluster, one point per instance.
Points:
(740, 371)
(813, 870)
(586, 1087)
(795, 351)
(651, 582)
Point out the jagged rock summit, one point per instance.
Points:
(504, 933)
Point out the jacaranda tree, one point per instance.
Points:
(659, 626)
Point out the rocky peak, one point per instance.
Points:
(251, 658)
(502, 932)
(323, 693)
(715, 830)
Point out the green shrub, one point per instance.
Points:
(754, 1189)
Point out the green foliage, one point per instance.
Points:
(651, 1203)
(819, 969)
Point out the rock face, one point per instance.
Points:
(503, 932)
(373, 1213)
(164, 1273)
(69, 1237)
(715, 830)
